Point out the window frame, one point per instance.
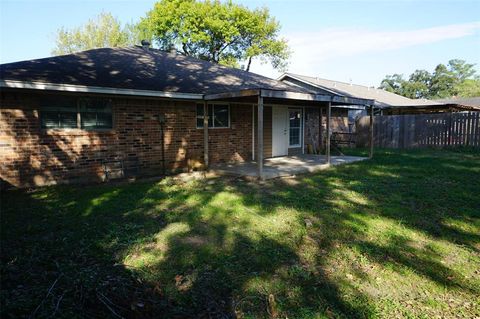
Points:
(42, 117)
(300, 128)
(79, 115)
(76, 110)
(197, 117)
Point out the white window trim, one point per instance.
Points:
(213, 120)
(300, 128)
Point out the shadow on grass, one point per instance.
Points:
(222, 248)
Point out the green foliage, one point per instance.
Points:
(103, 31)
(469, 88)
(418, 84)
(393, 83)
(461, 69)
(220, 32)
(443, 82)
(456, 79)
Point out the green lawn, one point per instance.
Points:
(396, 236)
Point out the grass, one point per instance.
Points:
(396, 236)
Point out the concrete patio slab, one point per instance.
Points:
(283, 166)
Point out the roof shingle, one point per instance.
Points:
(382, 98)
(136, 68)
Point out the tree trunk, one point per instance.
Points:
(249, 63)
(184, 47)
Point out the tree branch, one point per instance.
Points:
(226, 46)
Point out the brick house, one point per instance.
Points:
(106, 113)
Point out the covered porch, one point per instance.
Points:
(277, 148)
(283, 166)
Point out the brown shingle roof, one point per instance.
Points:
(139, 69)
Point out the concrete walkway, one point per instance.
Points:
(283, 166)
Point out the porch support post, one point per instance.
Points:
(329, 133)
(260, 138)
(320, 131)
(371, 132)
(205, 134)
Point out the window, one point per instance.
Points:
(200, 115)
(66, 112)
(58, 113)
(295, 121)
(95, 114)
(218, 115)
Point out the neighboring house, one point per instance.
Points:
(382, 98)
(384, 102)
(402, 132)
(106, 112)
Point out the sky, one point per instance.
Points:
(351, 41)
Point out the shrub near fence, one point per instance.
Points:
(421, 130)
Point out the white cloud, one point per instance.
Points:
(313, 48)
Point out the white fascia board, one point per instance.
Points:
(96, 89)
(318, 86)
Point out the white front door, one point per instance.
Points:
(279, 131)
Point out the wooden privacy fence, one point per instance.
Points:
(421, 130)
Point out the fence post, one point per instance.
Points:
(468, 125)
(450, 129)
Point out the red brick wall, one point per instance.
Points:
(30, 156)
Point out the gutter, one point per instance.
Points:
(96, 89)
(182, 96)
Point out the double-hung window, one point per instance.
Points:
(69, 112)
(218, 115)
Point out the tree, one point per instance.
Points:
(442, 83)
(415, 88)
(220, 32)
(457, 78)
(393, 83)
(469, 88)
(102, 31)
(461, 69)
(418, 84)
